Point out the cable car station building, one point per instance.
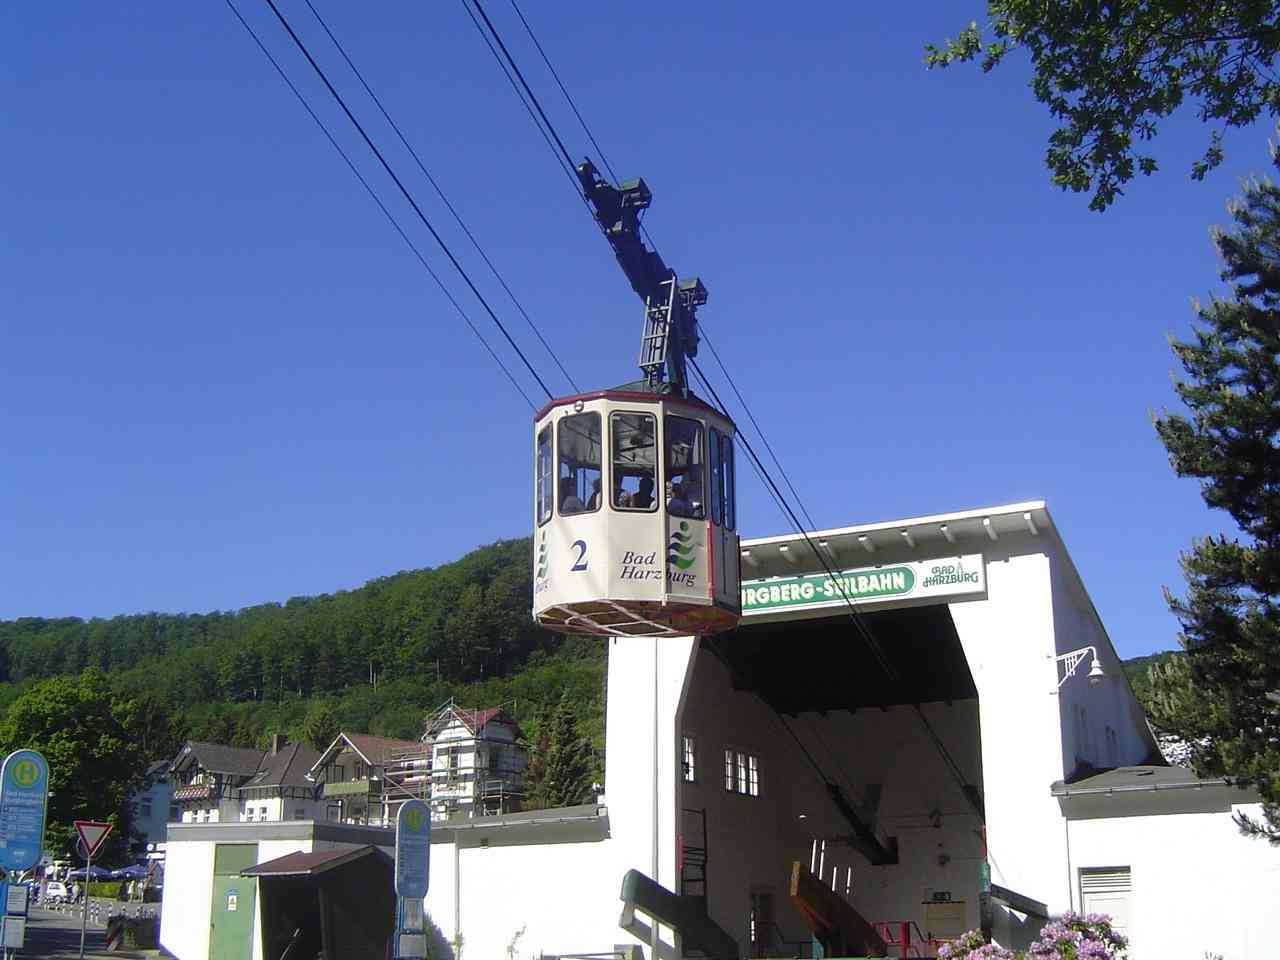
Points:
(933, 763)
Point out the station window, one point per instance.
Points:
(579, 484)
(633, 437)
(685, 473)
(175, 813)
(741, 772)
(544, 475)
(687, 760)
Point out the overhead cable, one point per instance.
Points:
(440, 193)
(377, 200)
(302, 47)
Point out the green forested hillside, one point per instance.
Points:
(381, 656)
(1138, 669)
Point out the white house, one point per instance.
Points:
(153, 805)
(476, 762)
(220, 784)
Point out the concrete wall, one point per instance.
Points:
(560, 894)
(1008, 641)
(1198, 886)
(188, 891)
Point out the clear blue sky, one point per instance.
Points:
(224, 380)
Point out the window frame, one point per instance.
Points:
(729, 476)
(540, 479)
(659, 450)
(701, 463)
(688, 758)
(559, 500)
(742, 772)
(715, 474)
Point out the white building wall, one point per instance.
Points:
(1087, 713)
(1008, 640)
(560, 894)
(184, 921)
(1199, 888)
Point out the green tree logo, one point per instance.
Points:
(681, 549)
(25, 773)
(413, 819)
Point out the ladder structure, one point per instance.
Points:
(692, 855)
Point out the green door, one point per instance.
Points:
(234, 899)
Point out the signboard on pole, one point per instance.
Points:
(24, 791)
(413, 849)
(92, 833)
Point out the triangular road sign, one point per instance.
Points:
(92, 834)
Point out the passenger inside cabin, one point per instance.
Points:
(678, 503)
(642, 499)
(594, 502)
(569, 501)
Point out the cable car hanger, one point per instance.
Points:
(671, 305)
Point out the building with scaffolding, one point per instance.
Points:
(363, 779)
(477, 762)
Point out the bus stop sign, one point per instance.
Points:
(413, 849)
(24, 791)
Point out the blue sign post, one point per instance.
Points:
(24, 791)
(24, 794)
(413, 870)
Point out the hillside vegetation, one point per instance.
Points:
(379, 657)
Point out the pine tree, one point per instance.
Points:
(559, 772)
(1216, 698)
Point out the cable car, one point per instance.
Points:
(635, 511)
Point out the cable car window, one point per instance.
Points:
(730, 495)
(579, 443)
(544, 491)
(685, 475)
(717, 478)
(633, 437)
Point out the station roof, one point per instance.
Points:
(892, 541)
(826, 664)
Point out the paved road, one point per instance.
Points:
(56, 936)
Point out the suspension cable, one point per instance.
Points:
(302, 47)
(377, 200)
(440, 193)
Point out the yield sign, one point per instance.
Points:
(92, 834)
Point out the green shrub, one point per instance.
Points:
(107, 889)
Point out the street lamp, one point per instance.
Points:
(1073, 660)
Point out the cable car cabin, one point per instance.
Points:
(635, 516)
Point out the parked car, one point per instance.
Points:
(55, 891)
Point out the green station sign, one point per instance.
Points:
(949, 577)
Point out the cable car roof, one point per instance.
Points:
(630, 391)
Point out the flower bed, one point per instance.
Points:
(1069, 937)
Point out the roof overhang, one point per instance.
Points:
(867, 544)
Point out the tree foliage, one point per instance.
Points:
(1216, 698)
(1109, 72)
(376, 659)
(94, 752)
(561, 768)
